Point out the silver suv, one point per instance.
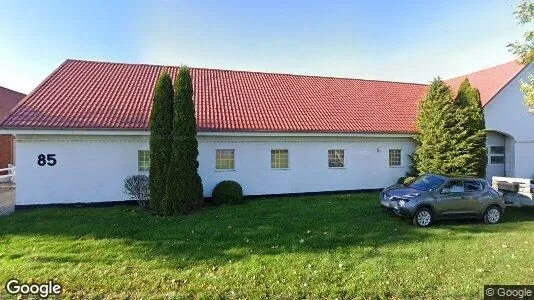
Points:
(433, 196)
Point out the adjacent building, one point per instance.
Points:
(8, 100)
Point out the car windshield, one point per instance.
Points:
(427, 183)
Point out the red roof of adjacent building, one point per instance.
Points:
(101, 95)
(8, 99)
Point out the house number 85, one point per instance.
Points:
(49, 159)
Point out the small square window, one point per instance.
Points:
(225, 159)
(279, 159)
(336, 158)
(394, 157)
(143, 160)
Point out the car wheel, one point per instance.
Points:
(423, 217)
(492, 215)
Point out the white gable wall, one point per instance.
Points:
(92, 168)
(507, 114)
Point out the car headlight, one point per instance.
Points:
(402, 202)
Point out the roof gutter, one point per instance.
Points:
(108, 132)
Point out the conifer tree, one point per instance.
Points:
(452, 134)
(161, 119)
(436, 127)
(470, 139)
(185, 190)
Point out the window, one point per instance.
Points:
(496, 155)
(336, 158)
(427, 183)
(473, 186)
(143, 160)
(225, 159)
(497, 160)
(394, 157)
(279, 159)
(453, 186)
(497, 150)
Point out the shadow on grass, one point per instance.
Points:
(219, 234)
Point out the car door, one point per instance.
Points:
(451, 200)
(473, 195)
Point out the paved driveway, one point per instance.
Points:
(7, 198)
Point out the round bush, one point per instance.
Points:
(228, 192)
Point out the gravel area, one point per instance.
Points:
(7, 198)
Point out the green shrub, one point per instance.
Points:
(408, 180)
(227, 192)
(401, 180)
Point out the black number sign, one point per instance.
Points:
(49, 159)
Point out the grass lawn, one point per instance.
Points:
(319, 247)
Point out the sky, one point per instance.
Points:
(401, 40)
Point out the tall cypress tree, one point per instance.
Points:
(436, 126)
(161, 119)
(185, 191)
(471, 158)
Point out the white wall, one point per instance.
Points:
(92, 168)
(89, 169)
(507, 113)
(366, 164)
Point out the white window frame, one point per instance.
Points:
(328, 158)
(140, 166)
(288, 159)
(495, 154)
(400, 158)
(233, 159)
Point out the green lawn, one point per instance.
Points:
(319, 247)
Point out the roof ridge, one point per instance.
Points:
(248, 71)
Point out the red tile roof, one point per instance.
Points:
(8, 99)
(489, 81)
(101, 95)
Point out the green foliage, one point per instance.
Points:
(524, 50)
(228, 192)
(160, 141)
(408, 180)
(405, 180)
(470, 138)
(435, 123)
(452, 136)
(401, 180)
(528, 90)
(184, 191)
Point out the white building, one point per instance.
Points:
(85, 128)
